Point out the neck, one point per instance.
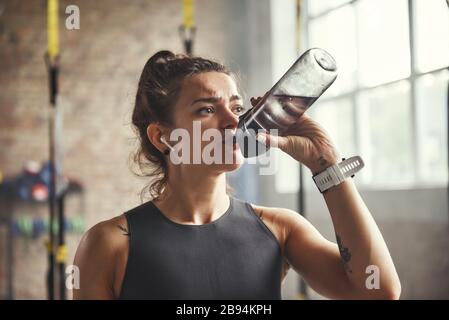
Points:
(193, 197)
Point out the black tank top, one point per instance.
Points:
(233, 257)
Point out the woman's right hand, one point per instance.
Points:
(305, 141)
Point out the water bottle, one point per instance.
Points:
(304, 82)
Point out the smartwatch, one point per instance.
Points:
(336, 174)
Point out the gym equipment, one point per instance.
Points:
(56, 196)
(187, 29)
(29, 227)
(26, 226)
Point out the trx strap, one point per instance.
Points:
(187, 29)
(56, 196)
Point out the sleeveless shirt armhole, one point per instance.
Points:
(264, 226)
(130, 248)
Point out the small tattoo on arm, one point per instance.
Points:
(125, 231)
(322, 162)
(344, 253)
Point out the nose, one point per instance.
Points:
(229, 119)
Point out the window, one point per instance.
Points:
(389, 103)
(386, 131)
(340, 43)
(383, 41)
(432, 34)
(431, 98)
(318, 7)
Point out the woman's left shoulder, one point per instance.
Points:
(281, 215)
(280, 220)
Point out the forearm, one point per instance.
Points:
(360, 242)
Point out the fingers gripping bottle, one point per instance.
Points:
(304, 82)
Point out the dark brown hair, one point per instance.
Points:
(157, 93)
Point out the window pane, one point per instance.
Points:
(335, 33)
(432, 34)
(384, 43)
(431, 99)
(317, 6)
(386, 135)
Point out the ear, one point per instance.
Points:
(154, 133)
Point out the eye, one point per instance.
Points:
(239, 110)
(206, 110)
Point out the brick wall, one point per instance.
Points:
(100, 66)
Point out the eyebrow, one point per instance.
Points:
(215, 99)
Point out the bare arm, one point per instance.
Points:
(315, 258)
(97, 258)
(339, 272)
(360, 243)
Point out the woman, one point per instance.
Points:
(193, 240)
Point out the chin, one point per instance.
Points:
(237, 161)
(231, 167)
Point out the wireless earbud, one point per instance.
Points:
(164, 141)
(174, 157)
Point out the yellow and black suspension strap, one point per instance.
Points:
(51, 59)
(56, 254)
(61, 252)
(187, 29)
